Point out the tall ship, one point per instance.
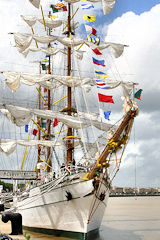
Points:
(71, 139)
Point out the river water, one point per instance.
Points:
(126, 218)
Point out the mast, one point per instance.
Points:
(38, 122)
(69, 104)
(49, 163)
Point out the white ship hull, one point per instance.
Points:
(52, 213)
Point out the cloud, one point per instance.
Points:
(140, 63)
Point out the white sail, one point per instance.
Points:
(108, 5)
(22, 41)
(117, 48)
(52, 51)
(51, 22)
(35, 3)
(44, 39)
(8, 146)
(30, 20)
(70, 42)
(32, 49)
(13, 79)
(22, 116)
(72, 81)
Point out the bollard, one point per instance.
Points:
(16, 222)
(1, 207)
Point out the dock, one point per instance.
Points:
(5, 228)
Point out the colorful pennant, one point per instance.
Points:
(95, 40)
(104, 115)
(56, 121)
(100, 73)
(86, 6)
(26, 128)
(96, 51)
(90, 30)
(89, 18)
(104, 98)
(59, 7)
(98, 62)
(107, 115)
(35, 131)
(138, 94)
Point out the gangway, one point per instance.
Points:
(18, 175)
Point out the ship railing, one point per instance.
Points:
(60, 176)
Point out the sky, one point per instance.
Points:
(135, 23)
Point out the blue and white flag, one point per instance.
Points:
(102, 85)
(87, 6)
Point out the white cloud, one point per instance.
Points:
(141, 62)
(142, 34)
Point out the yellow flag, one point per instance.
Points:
(53, 17)
(89, 18)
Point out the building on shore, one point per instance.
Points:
(124, 191)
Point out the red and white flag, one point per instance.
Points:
(90, 30)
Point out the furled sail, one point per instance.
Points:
(29, 20)
(117, 48)
(32, 49)
(22, 41)
(35, 3)
(14, 79)
(22, 116)
(68, 42)
(49, 22)
(108, 5)
(44, 39)
(8, 146)
(52, 51)
(73, 81)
